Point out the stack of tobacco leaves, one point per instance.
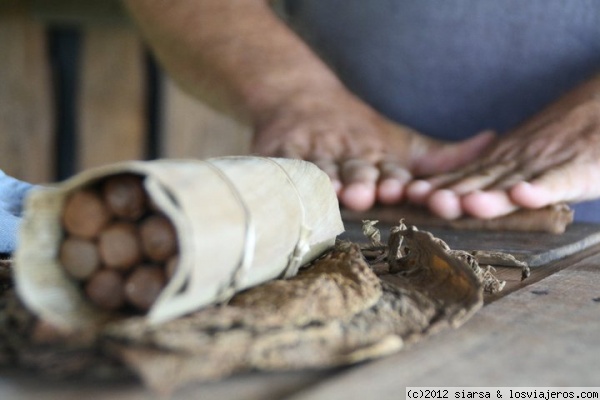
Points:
(356, 302)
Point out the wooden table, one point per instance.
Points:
(542, 332)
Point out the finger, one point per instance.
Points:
(509, 181)
(533, 196)
(499, 176)
(445, 203)
(451, 156)
(277, 149)
(483, 178)
(359, 180)
(488, 204)
(330, 167)
(291, 150)
(419, 190)
(566, 183)
(325, 145)
(392, 182)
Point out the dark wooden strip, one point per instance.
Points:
(112, 104)
(26, 104)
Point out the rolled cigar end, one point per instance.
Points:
(143, 286)
(106, 290)
(79, 257)
(158, 238)
(85, 214)
(125, 196)
(119, 246)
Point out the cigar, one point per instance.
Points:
(125, 196)
(144, 285)
(79, 257)
(106, 290)
(119, 246)
(85, 214)
(158, 237)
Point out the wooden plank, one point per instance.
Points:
(19, 385)
(26, 112)
(545, 334)
(112, 104)
(191, 129)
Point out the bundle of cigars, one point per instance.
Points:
(119, 246)
(164, 238)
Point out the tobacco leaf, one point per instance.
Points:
(341, 309)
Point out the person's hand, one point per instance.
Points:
(12, 193)
(553, 158)
(245, 61)
(367, 157)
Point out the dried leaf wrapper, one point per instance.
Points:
(240, 221)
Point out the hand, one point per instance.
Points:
(367, 157)
(553, 158)
(244, 60)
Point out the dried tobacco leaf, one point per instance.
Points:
(336, 311)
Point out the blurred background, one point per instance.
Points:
(79, 89)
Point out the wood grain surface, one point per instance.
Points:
(191, 129)
(26, 112)
(111, 115)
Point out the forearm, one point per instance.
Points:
(235, 54)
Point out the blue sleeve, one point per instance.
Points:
(12, 194)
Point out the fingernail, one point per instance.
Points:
(390, 191)
(445, 203)
(358, 196)
(417, 191)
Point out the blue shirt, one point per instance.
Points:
(453, 68)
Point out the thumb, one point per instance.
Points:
(442, 157)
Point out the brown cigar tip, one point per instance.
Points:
(105, 289)
(79, 257)
(119, 245)
(158, 238)
(85, 214)
(125, 196)
(144, 285)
